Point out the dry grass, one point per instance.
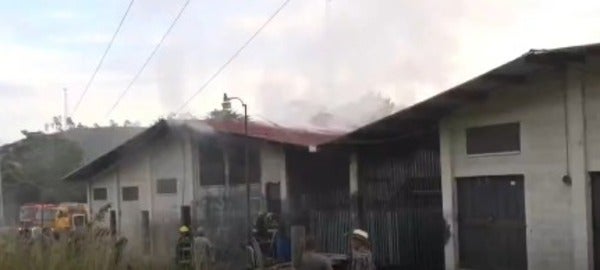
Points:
(95, 249)
(90, 252)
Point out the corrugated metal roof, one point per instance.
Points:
(276, 134)
(258, 131)
(424, 116)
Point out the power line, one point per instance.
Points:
(89, 83)
(222, 67)
(139, 72)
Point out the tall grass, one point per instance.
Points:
(93, 249)
(96, 249)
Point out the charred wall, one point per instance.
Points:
(318, 195)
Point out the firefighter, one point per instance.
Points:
(203, 253)
(183, 250)
(361, 255)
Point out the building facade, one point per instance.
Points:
(190, 173)
(538, 161)
(519, 159)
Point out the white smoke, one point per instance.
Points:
(170, 76)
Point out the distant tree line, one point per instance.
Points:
(32, 170)
(57, 124)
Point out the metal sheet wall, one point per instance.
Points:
(319, 195)
(400, 206)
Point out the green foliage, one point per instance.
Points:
(225, 115)
(32, 169)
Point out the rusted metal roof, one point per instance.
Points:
(289, 136)
(269, 133)
(424, 117)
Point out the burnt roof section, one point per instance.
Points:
(423, 117)
(257, 131)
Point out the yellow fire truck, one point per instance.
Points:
(70, 217)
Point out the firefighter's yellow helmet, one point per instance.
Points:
(184, 229)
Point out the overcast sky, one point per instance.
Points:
(315, 55)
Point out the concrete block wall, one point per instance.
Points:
(174, 156)
(538, 106)
(560, 133)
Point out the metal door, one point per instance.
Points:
(491, 211)
(596, 217)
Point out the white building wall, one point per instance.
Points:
(592, 108)
(169, 157)
(539, 107)
(174, 156)
(273, 170)
(107, 180)
(132, 172)
(558, 216)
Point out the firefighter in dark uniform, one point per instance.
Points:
(183, 250)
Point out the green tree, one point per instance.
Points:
(225, 115)
(32, 169)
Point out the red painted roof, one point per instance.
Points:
(259, 131)
(273, 133)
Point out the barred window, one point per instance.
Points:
(494, 139)
(130, 193)
(100, 194)
(212, 164)
(166, 186)
(237, 162)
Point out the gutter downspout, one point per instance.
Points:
(567, 177)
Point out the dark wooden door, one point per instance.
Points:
(113, 222)
(596, 217)
(186, 216)
(492, 231)
(274, 198)
(146, 231)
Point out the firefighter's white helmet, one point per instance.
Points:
(360, 233)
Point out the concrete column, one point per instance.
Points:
(189, 177)
(118, 195)
(151, 196)
(226, 167)
(448, 196)
(88, 194)
(354, 190)
(283, 187)
(151, 184)
(577, 164)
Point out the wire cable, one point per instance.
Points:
(89, 83)
(222, 67)
(139, 72)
